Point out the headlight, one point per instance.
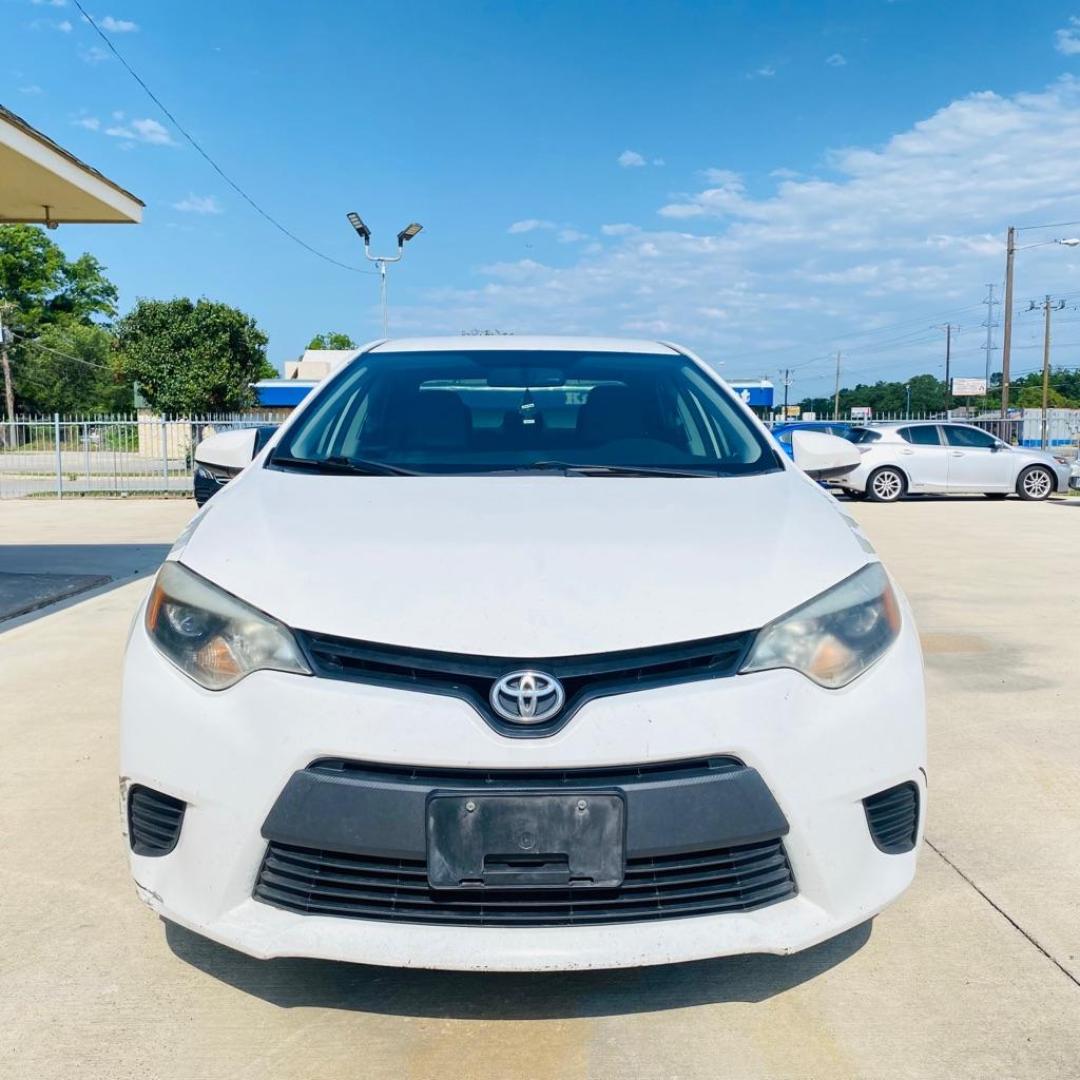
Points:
(835, 637)
(211, 636)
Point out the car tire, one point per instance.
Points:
(886, 485)
(1035, 483)
(995, 494)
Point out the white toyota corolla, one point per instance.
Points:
(522, 654)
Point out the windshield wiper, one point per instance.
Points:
(573, 469)
(341, 465)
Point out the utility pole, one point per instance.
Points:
(948, 354)
(9, 389)
(787, 383)
(836, 394)
(990, 303)
(948, 328)
(1047, 306)
(1006, 340)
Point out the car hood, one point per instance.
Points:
(523, 566)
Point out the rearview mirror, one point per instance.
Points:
(822, 456)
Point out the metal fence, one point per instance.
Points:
(101, 456)
(118, 456)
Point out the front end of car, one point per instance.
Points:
(289, 792)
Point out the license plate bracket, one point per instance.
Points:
(526, 840)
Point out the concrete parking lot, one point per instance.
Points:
(975, 973)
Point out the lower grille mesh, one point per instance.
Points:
(893, 817)
(154, 821)
(312, 882)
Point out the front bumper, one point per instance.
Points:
(230, 755)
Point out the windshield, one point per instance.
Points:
(513, 410)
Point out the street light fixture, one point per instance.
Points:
(358, 224)
(381, 261)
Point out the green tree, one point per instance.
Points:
(1030, 397)
(50, 303)
(192, 356)
(45, 286)
(68, 367)
(332, 339)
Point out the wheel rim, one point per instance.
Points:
(887, 485)
(1037, 484)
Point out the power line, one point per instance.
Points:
(209, 160)
(1032, 228)
(56, 352)
(853, 335)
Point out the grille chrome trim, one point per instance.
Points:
(470, 678)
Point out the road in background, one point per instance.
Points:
(972, 974)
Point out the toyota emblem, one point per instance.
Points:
(527, 697)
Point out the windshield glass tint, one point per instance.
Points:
(488, 410)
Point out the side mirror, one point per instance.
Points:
(219, 458)
(230, 450)
(823, 456)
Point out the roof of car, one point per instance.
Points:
(515, 342)
(912, 423)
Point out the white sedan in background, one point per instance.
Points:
(943, 458)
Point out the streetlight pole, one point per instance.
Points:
(381, 261)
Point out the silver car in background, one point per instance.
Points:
(930, 457)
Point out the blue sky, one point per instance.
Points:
(764, 182)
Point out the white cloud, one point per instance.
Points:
(567, 234)
(530, 225)
(836, 60)
(907, 230)
(32, 89)
(118, 26)
(146, 131)
(765, 72)
(1067, 40)
(631, 159)
(199, 204)
(64, 26)
(91, 123)
(49, 3)
(95, 54)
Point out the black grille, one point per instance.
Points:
(590, 776)
(471, 677)
(893, 817)
(311, 882)
(154, 821)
